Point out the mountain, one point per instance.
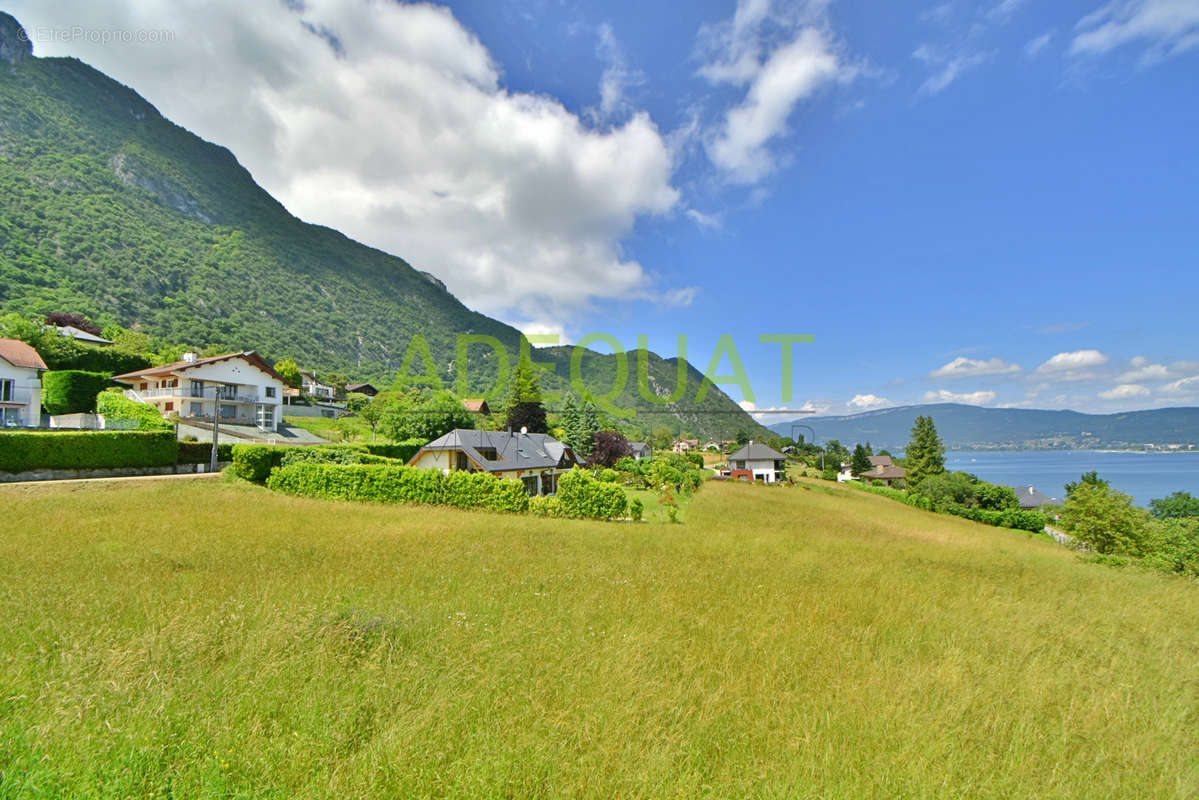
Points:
(970, 427)
(113, 211)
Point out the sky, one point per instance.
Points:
(992, 203)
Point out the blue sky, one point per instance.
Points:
(992, 203)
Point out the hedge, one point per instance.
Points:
(254, 462)
(28, 450)
(72, 391)
(201, 452)
(399, 484)
(403, 451)
(581, 495)
(118, 408)
(1032, 521)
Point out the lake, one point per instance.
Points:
(1145, 476)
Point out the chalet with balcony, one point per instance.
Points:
(20, 385)
(236, 388)
(537, 459)
(761, 461)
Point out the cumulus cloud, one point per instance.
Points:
(1141, 369)
(766, 414)
(1072, 366)
(866, 402)
(782, 57)
(947, 67)
(969, 398)
(1165, 27)
(1183, 387)
(1125, 391)
(391, 122)
(962, 367)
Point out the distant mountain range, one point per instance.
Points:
(115, 212)
(965, 427)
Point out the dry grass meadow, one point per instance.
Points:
(211, 639)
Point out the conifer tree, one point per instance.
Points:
(524, 401)
(860, 463)
(925, 453)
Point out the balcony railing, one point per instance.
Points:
(16, 396)
(191, 394)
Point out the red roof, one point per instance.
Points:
(250, 356)
(19, 354)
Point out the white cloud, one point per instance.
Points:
(1165, 27)
(405, 139)
(1073, 366)
(1003, 11)
(617, 78)
(948, 68)
(970, 398)
(865, 402)
(962, 367)
(707, 221)
(679, 298)
(1183, 386)
(1033, 47)
(1141, 369)
(766, 414)
(783, 59)
(1125, 391)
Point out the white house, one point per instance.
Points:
(20, 385)
(314, 388)
(765, 463)
(640, 450)
(237, 388)
(537, 459)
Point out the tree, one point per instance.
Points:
(290, 372)
(370, 412)
(64, 318)
(1105, 519)
(835, 454)
(860, 463)
(336, 380)
(925, 452)
(1088, 479)
(571, 419)
(1179, 505)
(524, 401)
(589, 426)
(661, 437)
(610, 447)
(742, 437)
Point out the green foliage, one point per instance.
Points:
(290, 371)
(829, 474)
(696, 458)
(636, 509)
(860, 463)
(1173, 545)
(1105, 519)
(995, 498)
(72, 391)
(524, 401)
(401, 451)
(608, 475)
(546, 506)
(121, 412)
(335, 454)
(201, 452)
(948, 487)
(925, 455)
(400, 484)
(584, 496)
(1088, 479)
(254, 462)
(27, 450)
(1031, 521)
(1179, 505)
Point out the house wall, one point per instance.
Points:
(250, 380)
(26, 406)
(763, 469)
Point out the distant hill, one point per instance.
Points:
(115, 212)
(965, 427)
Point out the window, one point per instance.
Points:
(7, 391)
(197, 409)
(227, 392)
(228, 411)
(168, 407)
(197, 388)
(266, 417)
(270, 391)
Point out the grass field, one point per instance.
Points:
(210, 639)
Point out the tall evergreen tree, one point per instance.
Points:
(589, 426)
(860, 463)
(524, 401)
(925, 454)
(571, 420)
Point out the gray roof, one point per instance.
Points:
(1030, 497)
(639, 447)
(513, 450)
(881, 461)
(756, 451)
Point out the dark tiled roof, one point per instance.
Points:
(891, 473)
(1029, 497)
(249, 355)
(19, 354)
(513, 450)
(756, 451)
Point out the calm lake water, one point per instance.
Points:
(1145, 476)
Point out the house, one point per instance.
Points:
(685, 445)
(537, 459)
(713, 445)
(20, 385)
(79, 335)
(1030, 499)
(640, 450)
(309, 385)
(884, 471)
(766, 463)
(361, 388)
(237, 388)
(477, 405)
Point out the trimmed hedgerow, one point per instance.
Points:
(118, 408)
(254, 462)
(546, 506)
(72, 391)
(402, 451)
(582, 495)
(201, 452)
(1031, 521)
(399, 484)
(27, 450)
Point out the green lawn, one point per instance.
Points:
(212, 639)
(349, 429)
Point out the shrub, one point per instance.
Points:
(583, 496)
(829, 474)
(126, 413)
(335, 454)
(402, 451)
(1173, 545)
(1031, 521)
(608, 475)
(27, 450)
(201, 452)
(636, 509)
(399, 484)
(1105, 519)
(948, 487)
(72, 391)
(546, 506)
(996, 498)
(254, 462)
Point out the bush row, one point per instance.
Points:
(72, 391)
(1032, 521)
(201, 452)
(399, 484)
(254, 462)
(119, 409)
(27, 450)
(581, 495)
